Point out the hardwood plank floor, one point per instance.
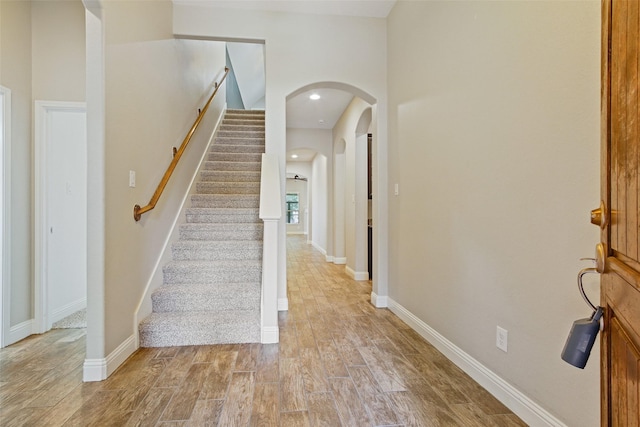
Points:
(340, 362)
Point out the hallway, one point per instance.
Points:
(340, 362)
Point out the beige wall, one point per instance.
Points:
(40, 59)
(494, 143)
(16, 75)
(154, 85)
(58, 46)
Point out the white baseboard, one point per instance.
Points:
(358, 276)
(100, 369)
(20, 331)
(521, 405)
(379, 301)
(283, 304)
(339, 260)
(318, 247)
(68, 309)
(270, 335)
(94, 370)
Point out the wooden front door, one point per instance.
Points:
(620, 284)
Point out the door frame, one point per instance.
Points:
(43, 109)
(5, 217)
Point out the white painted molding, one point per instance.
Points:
(340, 260)
(283, 304)
(68, 309)
(321, 249)
(359, 276)
(270, 335)
(5, 223)
(100, 369)
(20, 331)
(94, 370)
(528, 410)
(379, 301)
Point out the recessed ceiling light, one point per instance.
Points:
(321, 121)
(294, 156)
(314, 96)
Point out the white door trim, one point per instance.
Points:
(42, 317)
(5, 219)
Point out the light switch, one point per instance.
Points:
(132, 179)
(396, 191)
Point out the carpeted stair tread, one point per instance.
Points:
(230, 176)
(231, 166)
(206, 297)
(202, 250)
(234, 148)
(208, 231)
(212, 271)
(225, 201)
(217, 187)
(215, 156)
(199, 328)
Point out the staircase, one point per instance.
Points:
(212, 287)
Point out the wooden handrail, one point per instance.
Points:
(137, 210)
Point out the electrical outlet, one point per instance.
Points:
(502, 338)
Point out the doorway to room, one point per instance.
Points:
(61, 211)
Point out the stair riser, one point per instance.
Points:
(258, 142)
(230, 176)
(240, 299)
(220, 235)
(221, 219)
(231, 334)
(181, 254)
(201, 201)
(240, 134)
(234, 157)
(242, 127)
(172, 276)
(229, 148)
(226, 188)
(243, 121)
(231, 166)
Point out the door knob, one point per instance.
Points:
(599, 216)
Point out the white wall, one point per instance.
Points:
(355, 187)
(247, 60)
(494, 142)
(154, 85)
(319, 183)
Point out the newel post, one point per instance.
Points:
(270, 213)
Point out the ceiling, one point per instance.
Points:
(323, 113)
(365, 8)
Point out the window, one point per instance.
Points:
(293, 208)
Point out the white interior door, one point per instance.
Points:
(61, 283)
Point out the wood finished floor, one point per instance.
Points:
(340, 362)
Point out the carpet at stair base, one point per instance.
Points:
(200, 328)
(212, 287)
